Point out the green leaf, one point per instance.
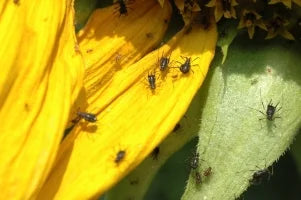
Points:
(233, 141)
(296, 151)
(83, 9)
(227, 31)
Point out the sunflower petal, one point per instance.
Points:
(110, 47)
(38, 83)
(251, 31)
(261, 25)
(287, 35)
(135, 121)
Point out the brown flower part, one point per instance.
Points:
(223, 8)
(277, 26)
(287, 3)
(187, 8)
(251, 19)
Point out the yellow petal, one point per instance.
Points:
(180, 4)
(261, 24)
(211, 3)
(110, 47)
(284, 33)
(227, 14)
(218, 12)
(233, 12)
(38, 83)
(134, 122)
(234, 3)
(241, 23)
(251, 31)
(161, 2)
(271, 34)
(287, 3)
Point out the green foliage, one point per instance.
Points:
(83, 10)
(296, 151)
(232, 138)
(227, 31)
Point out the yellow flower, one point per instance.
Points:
(49, 74)
(251, 19)
(223, 8)
(277, 26)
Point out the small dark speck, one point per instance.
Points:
(269, 70)
(16, 2)
(134, 182)
(254, 81)
(155, 153)
(223, 33)
(26, 107)
(177, 127)
(89, 50)
(149, 35)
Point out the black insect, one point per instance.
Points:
(155, 153)
(123, 6)
(198, 178)
(271, 110)
(152, 81)
(177, 127)
(260, 175)
(163, 62)
(89, 117)
(119, 156)
(194, 162)
(186, 66)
